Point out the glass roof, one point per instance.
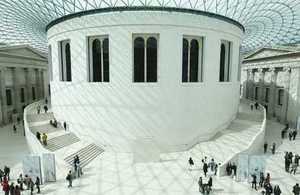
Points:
(266, 22)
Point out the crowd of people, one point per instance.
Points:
(210, 168)
(23, 183)
(291, 162)
(42, 138)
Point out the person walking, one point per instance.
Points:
(210, 183)
(20, 181)
(1, 175)
(6, 172)
(15, 129)
(294, 168)
(256, 105)
(46, 108)
(296, 189)
(205, 168)
(273, 148)
(254, 182)
(5, 186)
(200, 183)
(277, 190)
(44, 138)
(17, 190)
(294, 134)
(191, 163)
(269, 189)
(268, 178)
(69, 178)
(38, 136)
(12, 189)
(37, 184)
(65, 126)
(261, 179)
(38, 109)
(234, 168)
(31, 186)
(265, 147)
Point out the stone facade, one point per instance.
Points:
(271, 76)
(23, 80)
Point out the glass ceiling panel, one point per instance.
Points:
(267, 22)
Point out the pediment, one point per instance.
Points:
(22, 51)
(267, 52)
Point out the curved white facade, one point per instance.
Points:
(168, 113)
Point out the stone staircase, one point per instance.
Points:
(86, 155)
(61, 141)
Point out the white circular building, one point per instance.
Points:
(132, 78)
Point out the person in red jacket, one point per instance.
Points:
(5, 186)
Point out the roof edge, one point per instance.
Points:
(143, 8)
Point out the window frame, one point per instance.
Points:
(229, 48)
(90, 40)
(146, 36)
(201, 45)
(62, 60)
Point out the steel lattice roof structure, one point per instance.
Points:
(266, 22)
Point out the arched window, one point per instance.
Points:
(225, 61)
(151, 59)
(185, 51)
(96, 50)
(194, 60)
(105, 45)
(222, 63)
(98, 59)
(68, 62)
(139, 60)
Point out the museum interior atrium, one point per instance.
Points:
(150, 97)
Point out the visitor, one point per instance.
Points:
(294, 134)
(273, 148)
(216, 168)
(38, 136)
(209, 183)
(290, 134)
(1, 175)
(296, 159)
(69, 178)
(37, 184)
(234, 169)
(268, 178)
(20, 181)
(269, 189)
(261, 179)
(228, 169)
(12, 189)
(38, 109)
(277, 190)
(15, 128)
(296, 189)
(254, 182)
(212, 165)
(26, 181)
(65, 126)
(200, 183)
(294, 168)
(17, 190)
(265, 147)
(256, 105)
(205, 168)
(31, 186)
(251, 106)
(6, 172)
(191, 163)
(44, 138)
(5, 186)
(45, 108)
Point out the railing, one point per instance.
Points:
(34, 144)
(255, 145)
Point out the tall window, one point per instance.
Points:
(33, 93)
(192, 59)
(280, 96)
(22, 94)
(256, 93)
(225, 61)
(50, 62)
(145, 58)
(267, 94)
(8, 97)
(65, 61)
(98, 59)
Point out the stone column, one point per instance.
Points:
(245, 84)
(261, 85)
(287, 75)
(3, 118)
(38, 84)
(28, 86)
(42, 83)
(250, 84)
(272, 95)
(16, 92)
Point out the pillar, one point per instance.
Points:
(261, 85)
(28, 86)
(284, 108)
(4, 119)
(16, 91)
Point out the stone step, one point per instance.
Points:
(86, 155)
(61, 141)
(39, 117)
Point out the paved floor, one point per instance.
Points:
(114, 173)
